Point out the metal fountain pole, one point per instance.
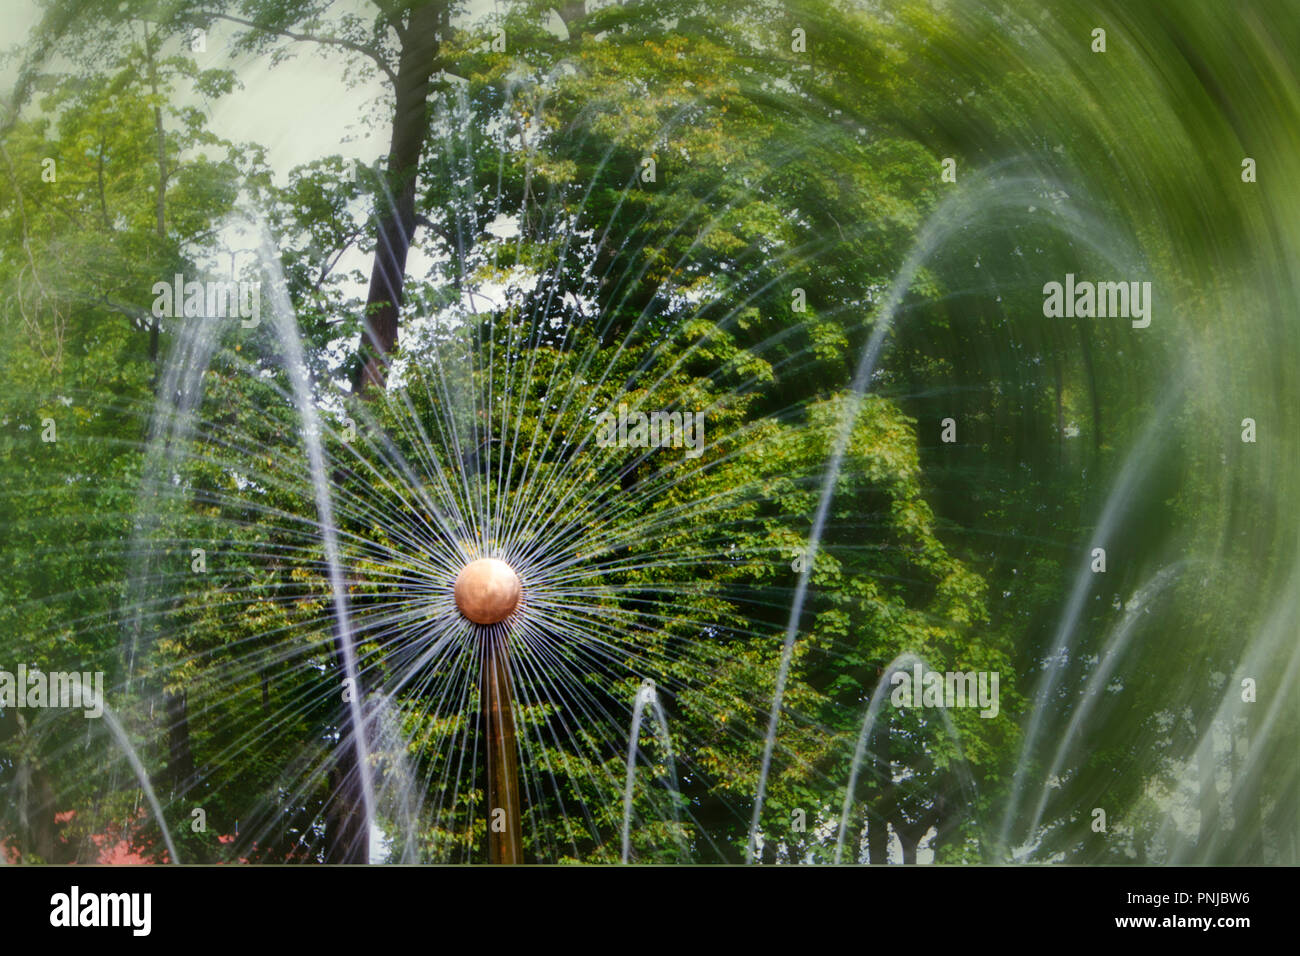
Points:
(505, 836)
(487, 591)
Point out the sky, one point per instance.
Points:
(300, 110)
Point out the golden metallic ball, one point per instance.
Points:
(487, 591)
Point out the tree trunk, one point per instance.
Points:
(908, 841)
(180, 763)
(346, 817)
(877, 840)
(396, 213)
(35, 801)
(857, 825)
(348, 840)
(882, 775)
(45, 829)
(912, 832)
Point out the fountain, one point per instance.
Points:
(461, 614)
